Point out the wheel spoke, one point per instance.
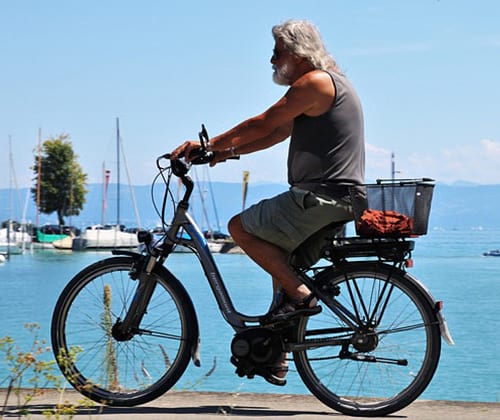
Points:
(388, 361)
(140, 366)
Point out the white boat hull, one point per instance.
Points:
(10, 248)
(98, 238)
(109, 238)
(15, 238)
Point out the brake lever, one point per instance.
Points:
(205, 145)
(203, 154)
(204, 139)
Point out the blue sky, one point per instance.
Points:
(427, 72)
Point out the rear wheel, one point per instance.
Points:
(391, 356)
(134, 369)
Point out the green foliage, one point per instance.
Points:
(59, 179)
(30, 375)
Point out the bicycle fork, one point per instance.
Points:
(124, 330)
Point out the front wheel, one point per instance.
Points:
(388, 359)
(129, 370)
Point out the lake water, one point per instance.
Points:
(449, 263)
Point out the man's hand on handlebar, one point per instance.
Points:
(193, 152)
(198, 152)
(185, 149)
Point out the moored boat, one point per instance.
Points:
(10, 248)
(99, 237)
(492, 253)
(47, 234)
(13, 241)
(108, 236)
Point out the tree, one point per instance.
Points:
(61, 181)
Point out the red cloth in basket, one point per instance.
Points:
(384, 223)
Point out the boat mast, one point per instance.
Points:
(105, 175)
(131, 187)
(393, 167)
(117, 172)
(212, 196)
(9, 221)
(39, 177)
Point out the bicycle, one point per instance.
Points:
(124, 329)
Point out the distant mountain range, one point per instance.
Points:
(454, 206)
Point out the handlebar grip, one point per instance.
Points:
(165, 156)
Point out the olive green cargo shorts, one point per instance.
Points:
(297, 217)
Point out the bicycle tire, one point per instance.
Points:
(408, 330)
(130, 372)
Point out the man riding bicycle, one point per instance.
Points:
(322, 115)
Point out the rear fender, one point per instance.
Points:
(438, 308)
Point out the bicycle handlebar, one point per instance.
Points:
(200, 156)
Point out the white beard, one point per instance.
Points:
(281, 75)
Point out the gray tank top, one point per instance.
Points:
(327, 153)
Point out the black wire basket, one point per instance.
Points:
(393, 208)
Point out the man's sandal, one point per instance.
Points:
(292, 309)
(276, 374)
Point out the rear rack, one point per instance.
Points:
(392, 249)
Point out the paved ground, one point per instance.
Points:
(208, 405)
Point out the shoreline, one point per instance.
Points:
(211, 405)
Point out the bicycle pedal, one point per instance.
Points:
(242, 368)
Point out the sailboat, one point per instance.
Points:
(13, 241)
(105, 236)
(219, 242)
(13, 237)
(8, 247)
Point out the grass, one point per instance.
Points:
(30, 375)
(32, 372)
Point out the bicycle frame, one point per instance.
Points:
(184, 222)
